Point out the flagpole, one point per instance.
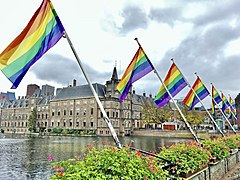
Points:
(223, 113)
(202, 103)
(114, 135)
(185, 120)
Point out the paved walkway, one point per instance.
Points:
(233, 174)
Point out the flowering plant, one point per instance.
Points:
(230, 142)
(186, 158)
(217, 149)
(110, 163)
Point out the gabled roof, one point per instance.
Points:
(79, 92)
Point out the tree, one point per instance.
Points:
(153, 114)
(32, 120)
(193, 117)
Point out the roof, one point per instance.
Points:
(79, 92)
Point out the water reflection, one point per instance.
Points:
(26, 158)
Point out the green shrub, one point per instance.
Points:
(110, 163)
(186, 158)
(217, 149)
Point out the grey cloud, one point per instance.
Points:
(167, 15)
(134, 18)
(62, 70)
(218, 12)
(203, 53)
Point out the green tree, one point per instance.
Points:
(153, 114)
(32, 120)
(193, 117)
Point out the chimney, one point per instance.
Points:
(19, 97)
(133, 91)
(144, 94)
(150, 95)
(74, 82)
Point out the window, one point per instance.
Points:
(42, 116)
(58, 124)
(107, 114)
(58, 112)
(64, 112)
(91, 124)
(70, 112)
(84, 123)
(70, 123)
(53, 113)
(84, 111)
(77, 124)
(116, 114)
(45, 124)
(91, 111)
(64, 123)
(101, 132)
(52, 124)
(46, 116)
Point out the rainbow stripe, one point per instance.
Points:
(175, 82)
(225, 103)
(139, 67)
(201, 91)
(216, 98)
(42, 32)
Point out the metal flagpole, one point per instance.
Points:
(185, 120)
(202, 103)
(223, 113)
(114, 135)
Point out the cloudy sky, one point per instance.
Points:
(201, 36)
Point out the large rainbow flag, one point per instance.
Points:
(42, 32)
(174, 82)
(201, 91)
(216, 97)
(139, 67)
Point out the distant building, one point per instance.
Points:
(31, 88)
(47, 90)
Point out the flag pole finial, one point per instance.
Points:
(172, 60)
(136, 39)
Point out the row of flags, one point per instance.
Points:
(45, 29)
(173, 83)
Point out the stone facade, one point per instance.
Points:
(75, 107)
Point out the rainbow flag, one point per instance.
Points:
(175, 82)
(233, 107)
(201, 91)
(42, 32)
(139, 67)
(216, 98)
(225, 103)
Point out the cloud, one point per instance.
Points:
(62, 70)
(134, 18)
(218, 12)
(166, 15)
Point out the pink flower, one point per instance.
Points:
(49, 158)
(52, 158)
(84, 155)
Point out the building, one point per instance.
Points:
(31, 88)
(75, 108)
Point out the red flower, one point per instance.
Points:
(104, 143)
(61, 174)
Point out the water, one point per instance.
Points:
(26, 157)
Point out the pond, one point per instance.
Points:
(24, 157)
